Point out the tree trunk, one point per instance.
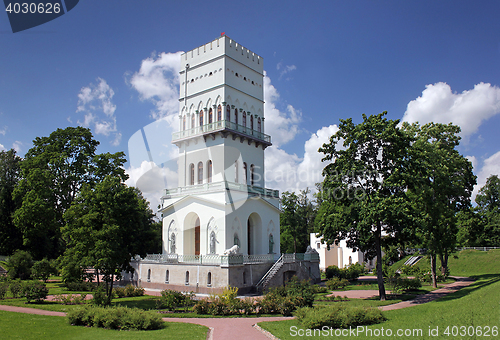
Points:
(380, 274)
(110, 293)
(433, 270)
(444, 263)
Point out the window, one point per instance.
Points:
(252, 177)
(201, 118)
(236, 171)
(210, 116)
(244, 278)
(191, 173)
(259, 125)
(219, 113)
(192, 121)
(244, 119)
(167, 276)
(228, 113)
(187, 279)
(251, 122)
(245, 172)
(236, 116)
(149, 275)
(200, 173)
(209, 171)
(183, 123)
(209, 279)
(318, 245)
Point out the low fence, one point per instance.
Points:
(214, 260)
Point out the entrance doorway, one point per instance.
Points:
(197, 237)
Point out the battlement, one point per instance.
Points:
(219, 47)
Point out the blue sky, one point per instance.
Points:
(112, 66)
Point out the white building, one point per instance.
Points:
(220, 201)
(338, 255)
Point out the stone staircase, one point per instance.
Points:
(264, 281)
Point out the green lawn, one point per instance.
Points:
(29, 326)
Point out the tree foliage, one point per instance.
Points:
(54, 171)
(364, 187)
(296, 221)
(107, 225)
(10, 171)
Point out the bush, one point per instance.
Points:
(401, 285)
(35, 291)
(129, 291)
(82, 286)
(332, 271)
(336, 283)
(19, 265)
(115, 318)
(99, 297)
(3, 289)
(171, 300)
(42, 270)
(350, 273)
(16, 288)
(70, 299)
(338, 316)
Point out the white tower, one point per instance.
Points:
(221, 200)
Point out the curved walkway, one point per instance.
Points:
(243, 328)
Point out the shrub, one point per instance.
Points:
(70, 299)
(82, 286)
(3, 289)
(350, 273)
(99, 297)
(338, 316)
(171, 300)
(336, 283)
(332, 271)
(401, 285)
(19, 265)
(202, 306)
(16, 288)
(115, 318)
(42, 270)
(129, 291)
(35, 291)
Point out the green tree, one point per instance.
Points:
(443, 185)
(107, 225)
(10, 236)
(296, 221)
(363, 192)
(53, 173)
(488, 209)
(42, 270)
(19, 265)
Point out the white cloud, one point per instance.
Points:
(491, 166)
(288, 172)
(3, 131)
(2, 148)
(17, 146)
(285, 69)
(158, 81)
(281, 126)
(94, 99)
(467, 109)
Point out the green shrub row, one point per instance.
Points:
(350, 273)
(31, 290)
(81, 286)
(128, 291)
(171, 300)
(335, 283)
(115, 318)
(338, 316)
(401, 285)
(70, 299)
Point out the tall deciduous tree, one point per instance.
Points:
(443, 186)
(488, 208)
(10, 171)
(53, 173)
(107, 225)
(364, 186)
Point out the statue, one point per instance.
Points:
(271, 244)
(234, 250)
(172, 244)
(212, 242)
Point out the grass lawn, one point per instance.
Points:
(29, 326)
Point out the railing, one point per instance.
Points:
(222, 185)
(210, 259)
(218, 126)
(478, 248)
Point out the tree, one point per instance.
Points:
(42, 270)
(53, 172)
(443, 185)
(10, 236)
(296, 221)
(364, 186)
(19, 265)
(107, 225)
(488, 209)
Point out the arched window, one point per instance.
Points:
(244, 122)
(191, 174)
(252, 177)
(236, 116)
(209, 279)
(201, 118)
(187, 279)
(228, 113)
(236, 171)
(259, 125)
(251, 122)
(192, 121)
(183, 123)
(219, 113)
(200, 173)
(245, 172)
(210, 116)
(167, 276)
(209, 171)
(149, 275)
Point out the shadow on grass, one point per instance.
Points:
(481, 281)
